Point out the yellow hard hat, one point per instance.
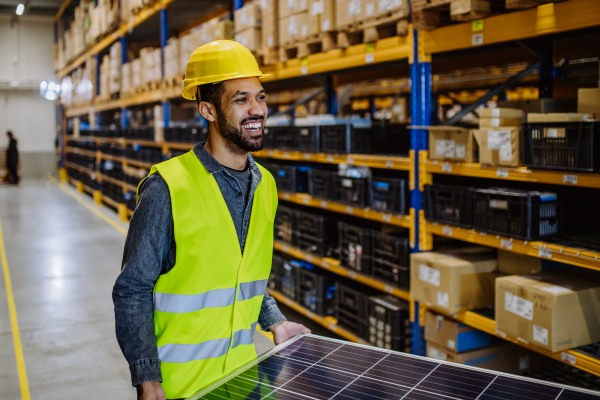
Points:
(218, 61)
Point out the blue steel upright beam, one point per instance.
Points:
(97, 83)
(164, 37)
(124, 122)
(421, 94)
(237, 4)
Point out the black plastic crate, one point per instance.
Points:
(289, 279)
(186, 134)
(268, 138)
(276, 273)
(390, 259)
(290, 178)
(315, 291)
(308, 139)
(285, 225)
(337, 139)
(352, 311)
(350, 190)
(388, 195)
(316, 234)
(284, 136)
(377, 139)
(355, 248)
(519, 214)
(562, 145)
(449, 205)
(320, 183)
(141, 133)
(389, 323)
(353, 324)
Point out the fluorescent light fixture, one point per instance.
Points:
(20, 9)
(43, 85)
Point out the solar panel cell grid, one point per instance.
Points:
(316, 368)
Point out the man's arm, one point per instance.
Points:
(269, 313)
(147, 246)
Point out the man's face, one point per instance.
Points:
(244, 112)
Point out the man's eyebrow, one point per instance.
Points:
(238, 93)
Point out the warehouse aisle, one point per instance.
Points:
(63, 261)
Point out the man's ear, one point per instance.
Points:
(207, 110)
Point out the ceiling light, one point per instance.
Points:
(20, 9)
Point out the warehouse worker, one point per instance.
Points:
(199, 248)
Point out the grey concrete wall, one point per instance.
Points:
(37, 164)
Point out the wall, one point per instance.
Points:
(26, 54)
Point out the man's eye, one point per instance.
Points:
(262, 97)
(240, 100)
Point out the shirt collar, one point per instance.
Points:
(213, 166)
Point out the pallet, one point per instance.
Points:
(173, 81)
(317, 43)
(371, 30)
(102, 98)
(148, 87)
(431, 14)
(520, 4)
(126, 93)
(267, 55)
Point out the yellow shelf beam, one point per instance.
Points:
(110, 201)
(571, 357)
(74, 150)
(124, 185)
(380, 216)
(521, 174)
(373, 161)
(80, 168)
(327, 322)
(333, 265)
(542, 20)
(540, 249)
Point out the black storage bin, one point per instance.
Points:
(315, 291)
(351, 190)
(351, 312)
(338, 139)
(389, 323)
(285, 225)
(284, 137)
(290, 178)
(390, 259)
(377, 139)
(276, 273)
(307, 139)
(186, 134)
(519, 214)
(289, 279)
(388, 195)
(268, 138)
(141, 133)
(562, 145)
(320, 183)
(355, 248)
(392, 139)
(316, 234)
(449, 205)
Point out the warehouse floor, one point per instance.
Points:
(63, 260)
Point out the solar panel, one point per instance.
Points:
(313, 367)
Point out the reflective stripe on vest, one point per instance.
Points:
(207, 305)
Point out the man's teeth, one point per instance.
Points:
(252, 125)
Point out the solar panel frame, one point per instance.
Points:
(554, 390)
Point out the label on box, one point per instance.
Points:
(477, 39)
(429, 275)
(495, 112)
(354, 8)
(460, 150)
(436, 354)
(439, 322)
(505, 153)
(317, 8)
(302, 4)
(570, 179)
(568, 358)
(524, 362)
(518, 305)
(451, 344)
(445, 148)
(540, 334)
(556, 289)
(496, 139)
(443, 299)
(370, 8)
(552, 132)
(495, 122)
(387, 5)
(292, 4)
(243, 18)
(545, 253)
(270, 41)
(325, 25)
(293, 26)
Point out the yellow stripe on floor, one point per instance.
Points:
(14, 324)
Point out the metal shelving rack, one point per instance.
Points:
(419, 47)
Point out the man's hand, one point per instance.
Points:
(151, 390)
(285, 330)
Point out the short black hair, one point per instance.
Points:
(9, 133)
(211, 93)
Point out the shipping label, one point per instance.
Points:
(429, 275)
(518, 305)
(443, 299)
(436, 354)
(540, 334)
(445, 148)
(556, 289)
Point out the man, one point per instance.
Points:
(12, 159)
(199, 248)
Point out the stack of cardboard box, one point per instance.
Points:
(293, 21)
(451, 143)
(172, 61)
(322, 16)
(126, 80)
(105, 78)
(498, 136)
(247, 26)
(151, 65)
(114, 78)
(270, 26)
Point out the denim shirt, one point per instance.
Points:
(150, 252)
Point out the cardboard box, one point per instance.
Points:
(249, 16)
(251, 38)
(494, 122)
(505, 357)
(270, 23)
(537, 117)
(400, 8)
(293, 28)
(501, 113)
(290, 7)
(498, 146)
(518, 264)
(348, 12)
(588, 101)
(453, 335)
(553, 310)
(450, 143)
(453, 283)
(541, 105)
(322, 16)
(569, 117)
(222, 30)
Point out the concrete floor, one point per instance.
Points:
(63, 262)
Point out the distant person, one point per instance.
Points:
(12, 159)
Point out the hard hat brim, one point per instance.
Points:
(189, 90)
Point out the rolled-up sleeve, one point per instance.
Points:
(269, 313)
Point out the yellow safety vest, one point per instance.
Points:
(206, 308)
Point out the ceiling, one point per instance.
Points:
(36, 7)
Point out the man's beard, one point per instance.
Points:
(235, 136)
